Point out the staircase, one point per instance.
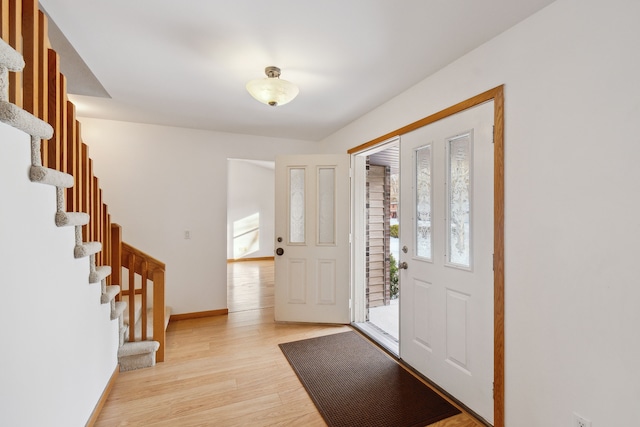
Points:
(132, 354)
(66, 311)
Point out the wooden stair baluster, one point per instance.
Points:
(143, 273)
(132, 297)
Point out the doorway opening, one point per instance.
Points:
(378, 313)
(250, 235)
(496, 95)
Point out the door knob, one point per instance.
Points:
(403, 265)
(405, 249)
(279, 251)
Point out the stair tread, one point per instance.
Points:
(102, 272)
(118, 308)
(86, 249)
(51, 177)
(11, 58)
(67, 219)
(138, 347)
(21, 119)
(110, 293)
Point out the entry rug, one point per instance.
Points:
(353, 383)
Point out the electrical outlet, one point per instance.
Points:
(579, 421)
(187, 234)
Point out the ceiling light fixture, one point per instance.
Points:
(272, 90)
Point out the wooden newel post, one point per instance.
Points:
(158, 312)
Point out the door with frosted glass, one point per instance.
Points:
(446, 320)
(312, 239)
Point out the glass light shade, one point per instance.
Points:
(272, 91)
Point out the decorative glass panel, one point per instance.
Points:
(423, 202)
(326, 205)
(459, 197)
(296, 205)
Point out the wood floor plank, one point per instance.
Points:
(227, 370)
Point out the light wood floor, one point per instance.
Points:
(226, 370)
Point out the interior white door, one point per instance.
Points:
(312, 261)
(446, 297)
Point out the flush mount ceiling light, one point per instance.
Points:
(272, 90)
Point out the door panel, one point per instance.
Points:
(422, 324)
(446, 320)
(312, 239)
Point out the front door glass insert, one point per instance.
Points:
(459, 201)
(296, 205)
(423, 202)
(326, 206)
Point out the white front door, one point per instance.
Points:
(312, 261)
(446, 236)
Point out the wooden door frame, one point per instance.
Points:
(497, 96)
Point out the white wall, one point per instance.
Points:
(159, 181)
(250, 190)
(59, 345)
(572, 95)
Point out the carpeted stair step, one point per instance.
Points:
(100, 273)
(10, 58)
(51, 177)
(20, 119)
(117, 308)
(136, 355)
(86, 249)
(67, 219)
(109, 293)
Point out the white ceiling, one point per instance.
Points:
(185, 63)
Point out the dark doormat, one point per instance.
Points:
(353, 383)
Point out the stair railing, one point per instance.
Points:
(142, 269)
